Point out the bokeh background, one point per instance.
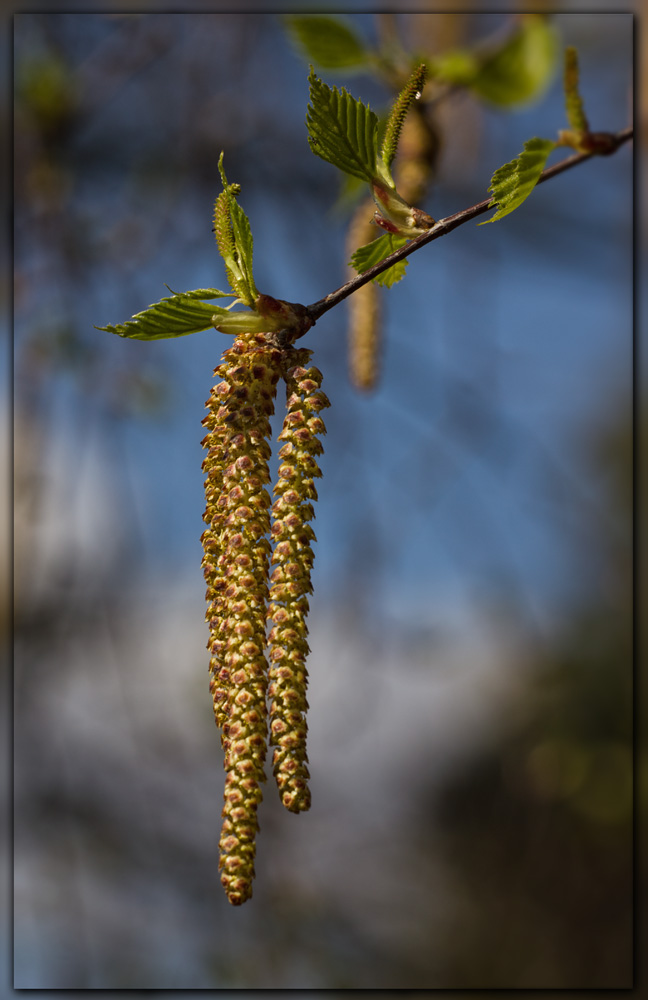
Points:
(471, 671)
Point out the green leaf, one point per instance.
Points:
(520, 71)
(458, 67)
(329, 42)
(372, 253)
(515, 181)
(238, 261)
(573, 101)
(341, 130)
(176, 316)
(202, 294)
(392, 274)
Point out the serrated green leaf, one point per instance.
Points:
(372, 253)
(392, 274)
(573, 101)
(176, 316)
(239, 261)
(202, 294)
(512, 183)
(329, 42)
(520, 71)
(341, 130)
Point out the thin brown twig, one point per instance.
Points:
(444, 226)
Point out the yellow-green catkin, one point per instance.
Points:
(224, 233)
(236, 566)
(573, 101)
(411, 92)
(291, 578)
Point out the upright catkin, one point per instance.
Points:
(291, 578)
(410, 93)
(236, 572)
(224, 233)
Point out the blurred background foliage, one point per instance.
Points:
(471, 681)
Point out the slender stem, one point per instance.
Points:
(441, 228)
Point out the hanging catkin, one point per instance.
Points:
(236, 571)
(291, 578)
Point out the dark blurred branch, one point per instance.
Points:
(444, 226)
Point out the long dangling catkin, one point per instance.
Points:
(236, 571)
(364, 306)
(417, 156)
(291, 578)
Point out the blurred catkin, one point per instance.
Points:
(236, 572)
(418, 150)
(291, 578)
(364, 308)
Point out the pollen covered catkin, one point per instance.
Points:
(235, 566)
(291, 578)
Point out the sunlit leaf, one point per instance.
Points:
(372, 253)
(392, 274)
(175, 316)
(342, 130)
(522, 69)
(512, 183)
(329, 42)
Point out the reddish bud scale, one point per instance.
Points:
(235, 566)
(293, 560)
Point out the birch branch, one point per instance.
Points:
(445, 226)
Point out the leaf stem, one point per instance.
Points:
(445, 226)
